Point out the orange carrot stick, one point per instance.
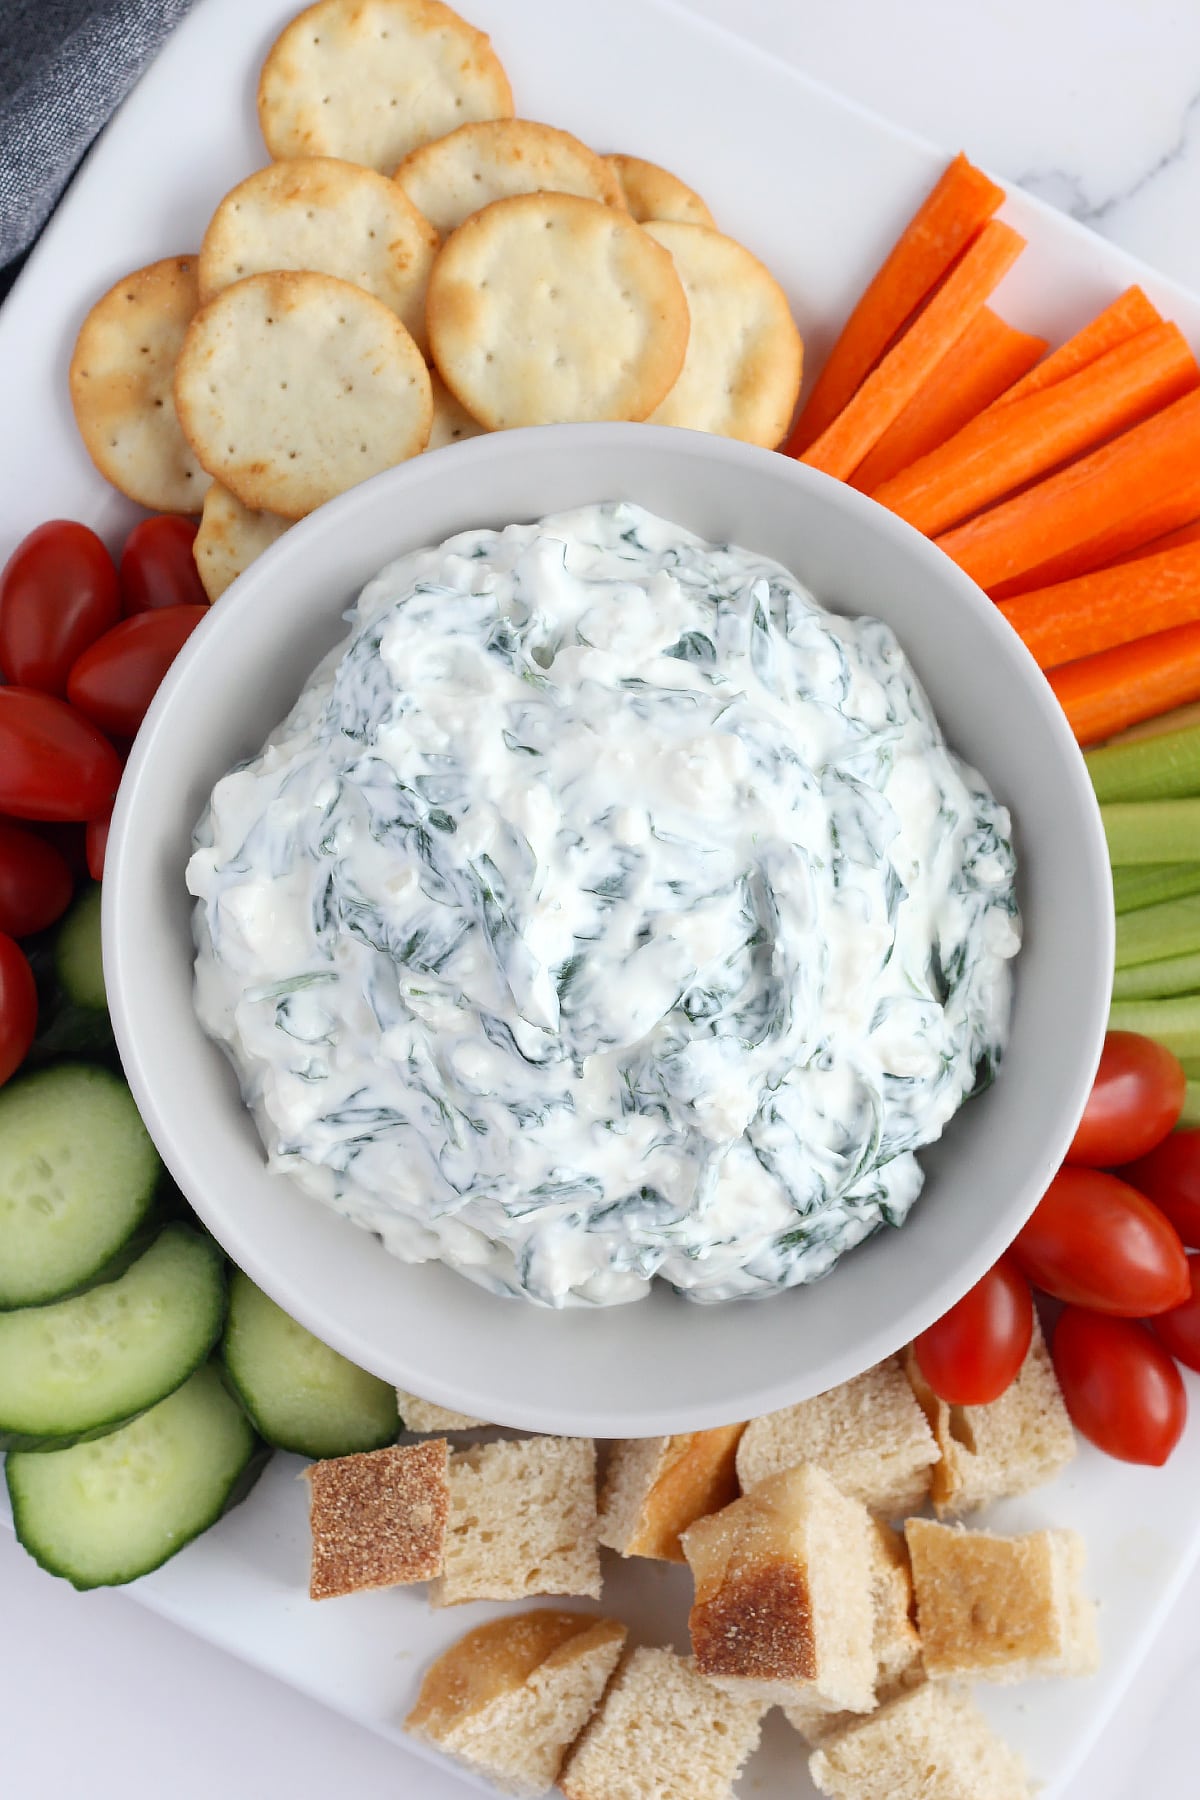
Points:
(1118, 496)
(987, 359)
(1114, 606)
(933, 333)
(939, 231)
(1016, 443)
(1103, 694)
(1157, 519)
(1170, 540)
(1129, 313)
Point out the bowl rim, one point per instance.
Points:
(337, 518)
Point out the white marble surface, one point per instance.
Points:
(1094, 105)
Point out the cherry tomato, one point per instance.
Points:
(97, 844)
(157, 566)
(1170, 1176)
(1121, 1388)
(35, 882)
(1097, 1242)
(58, 592)
(1135, 1100)
(115, 680)
(65, 837)
(54, 764)
(975, 1351)
(1180, 1328)
(18, 1007)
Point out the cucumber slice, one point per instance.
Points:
(77, 1176)
(300, 1394)
(77, 960)
(83, 1366)
(104, 1513)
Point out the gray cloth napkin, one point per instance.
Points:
(65, 66)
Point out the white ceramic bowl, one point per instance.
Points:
(661, 1364)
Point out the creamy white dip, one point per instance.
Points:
(605, 908)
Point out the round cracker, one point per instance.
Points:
(451, 420)
(121, 377)
(548, 308)
(369, 80)
(229, 538)
(292, 387)
(337, 218)
(741, 375)
(654, 193)
(494, 159)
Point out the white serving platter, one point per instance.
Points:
(818, 188)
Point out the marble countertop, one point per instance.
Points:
(1095, 106)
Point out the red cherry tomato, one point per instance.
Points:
(54, 764)
(975, 1351)
(1135, 1100)
(1180, 1328)
(1121, 1388)
(157, 566)
(97, 844)
(115, 680)
(18, 1007)
(1097, 1242)
(1170, 1176)
(58, 592)
(65, 837)
(35, 882)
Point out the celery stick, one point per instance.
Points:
(1178, 719)
(1191, 1106)
(1171, 929)
(1191, 1067)
(1175, 1023)
(1146, 885)
(1152, 831)
(1155, 980)
(1158, 768)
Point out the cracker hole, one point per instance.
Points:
(237, 206)
(112, 443)
(283, 385)
(363, 449)
(489, 357)
(560, 362)
(548, 225)
(325, 100)
(239, 268)
(341, 318)
(393, 101)
(230, 450)
(145, 350)
(270, 318)
(310, 214)
(158, 403)
(371, 234)
(292, 455)
(458, 103)
(477, 176)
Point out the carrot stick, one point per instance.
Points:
(889, 388)
(987, 359)
(1105, 693)
(1170, 540)
(1120, 495)
(1015, 443)
(939, 231)
(1129, 313)
(1113, 606)
(1156, 518)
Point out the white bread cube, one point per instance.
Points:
(989, 1452)
(656, 1487)
(869, 1435)
(930, 1744)
(1001, 1608)
(522, 1522)
(663, 1731)
(420, 1416)
(509, 1699)
(783, 1605)
(378, 1518)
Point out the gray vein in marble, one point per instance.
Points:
(1067, 192)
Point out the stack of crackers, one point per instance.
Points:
(415, 266)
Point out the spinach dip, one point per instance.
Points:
(605, 909)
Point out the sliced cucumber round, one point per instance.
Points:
(77, 1175)
(86, 1365)
(77, 959)
(103, 1513)
(301, 1395)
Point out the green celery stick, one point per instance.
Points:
(1175, 1023)
(1191, 1105)
(1169, 929)
(1157, 768)
(1178, 719)
(1152, 831)
(1191, 1067)
(1147, 884)
(1155, 980)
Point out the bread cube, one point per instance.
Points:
(378, 1519)
(656, 1487)
(663, 1729)
(522, 1522)
(1001, 1608)
(783, 1604)
(869, 1435)
(420, 1415)
(509, 1699)
(930, 1744)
